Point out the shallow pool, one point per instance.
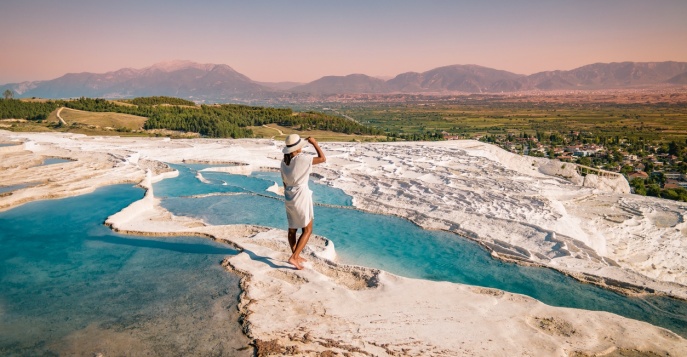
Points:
(54, 160)
(398, 246)
(4, 189)
(70, 286)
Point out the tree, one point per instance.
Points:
(584, 161)
(674, 148)
(626, 169)
(648, 166)
(653, 190)
(8, 94)
(638, 185)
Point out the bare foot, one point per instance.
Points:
(295, 262)
(302, 260)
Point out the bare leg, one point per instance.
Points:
(293, 241)
(302, 241)
(292, 238)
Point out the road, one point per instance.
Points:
(269, 127)
(344, 115)
(60, 118)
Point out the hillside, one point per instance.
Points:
(680, 79)
(161, 113)
(105, 120)
(607, 76)
(353, 83)
(457, 78)
(219, 83)
(184, 79)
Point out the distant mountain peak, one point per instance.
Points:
(175, 65)
(352, 83)
(178, 78)
(221, 83)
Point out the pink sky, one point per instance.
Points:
(305, 40)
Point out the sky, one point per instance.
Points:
(300, 41)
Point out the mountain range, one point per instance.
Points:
(221, 83)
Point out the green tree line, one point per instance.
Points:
(160, 101)
(319, 121)
(222, 121)
(652, 187)
(17, 109)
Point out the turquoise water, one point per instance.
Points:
(186, 184)
(54, 160)
(400, 247)
(70, 286)
(4, 189)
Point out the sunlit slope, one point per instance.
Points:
(102, 120)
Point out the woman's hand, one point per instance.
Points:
(320, 155)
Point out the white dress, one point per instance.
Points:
(297, 194)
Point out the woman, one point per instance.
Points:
(295, 171)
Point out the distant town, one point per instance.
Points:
(652, 169)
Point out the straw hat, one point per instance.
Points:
(293, 142)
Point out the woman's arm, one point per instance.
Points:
(320, 154)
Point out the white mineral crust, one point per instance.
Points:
(534, 211)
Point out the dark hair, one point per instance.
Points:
(287, 158)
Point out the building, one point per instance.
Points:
(583, 153)
(672, 175)
(638, 174)
(670, 183)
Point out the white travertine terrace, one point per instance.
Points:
(534, 211)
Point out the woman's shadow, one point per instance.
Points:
(188, 248)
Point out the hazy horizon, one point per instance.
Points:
(300, 41)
